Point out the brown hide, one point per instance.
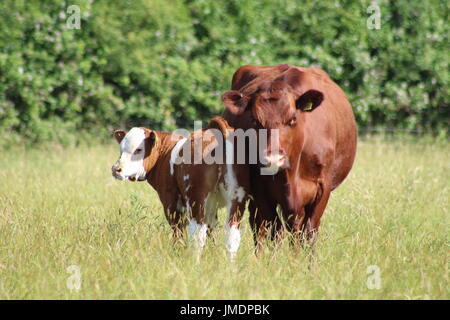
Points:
(189, 184)
(317, 132)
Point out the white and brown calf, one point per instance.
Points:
(185, 188)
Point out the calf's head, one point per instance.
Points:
(138, 154)
(278, 106)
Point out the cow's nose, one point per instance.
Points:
(277, 160)
(118, 170)
(268, 152)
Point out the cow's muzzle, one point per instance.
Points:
(117, 173)
(278, 160)
(115, 170)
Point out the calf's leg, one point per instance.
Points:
(197, 227)
(175, 215)
(233, 226)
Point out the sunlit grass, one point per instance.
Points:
(61, 207)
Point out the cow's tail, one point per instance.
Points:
(220, 124)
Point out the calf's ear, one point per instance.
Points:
(235, 102)
(310, 100)
(153, 139)
(119, 135)
(150, 141)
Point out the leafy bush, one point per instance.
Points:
(162, 63)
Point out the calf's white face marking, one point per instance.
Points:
(132, 152)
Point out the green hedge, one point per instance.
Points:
(164, 63)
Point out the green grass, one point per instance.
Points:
(61, 207)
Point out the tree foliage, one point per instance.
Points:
(164, 63)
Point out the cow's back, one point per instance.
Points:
(333, 121)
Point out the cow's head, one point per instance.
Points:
(138, 154)
(279, 106)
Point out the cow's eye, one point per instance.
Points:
(293, 121)
(138, 150)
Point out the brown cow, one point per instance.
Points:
(316, 148)
(167, 162)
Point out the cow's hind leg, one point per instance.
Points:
(211, 208)
(177, 223)
(175, 215)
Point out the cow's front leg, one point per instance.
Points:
(263, 218)
(295, 225)
(315, 211)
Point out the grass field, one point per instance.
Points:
(61, 207)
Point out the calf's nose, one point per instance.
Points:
(115, 170)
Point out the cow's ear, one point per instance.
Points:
(235, 101)
(293, 77)
(310, 100)
(150, 142)
(119, 135)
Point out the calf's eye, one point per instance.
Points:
(138, 150)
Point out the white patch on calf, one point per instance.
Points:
(234, 191)
(197, 233)
(174, 155)
(239, 194)
(232, 239)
